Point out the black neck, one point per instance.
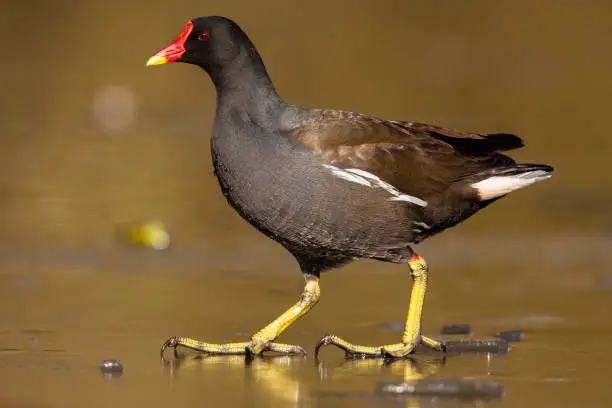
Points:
(243, 84)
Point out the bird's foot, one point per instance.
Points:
(256, 346)
(397, 350)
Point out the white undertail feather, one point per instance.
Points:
(497, 186)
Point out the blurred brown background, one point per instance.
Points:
(91, 138)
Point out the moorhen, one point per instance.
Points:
(334, 186)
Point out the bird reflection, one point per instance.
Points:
(415, 381)
(408, 369)
(273, 375)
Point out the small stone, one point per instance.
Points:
(456, 329)
(510, 335)
(111, 368)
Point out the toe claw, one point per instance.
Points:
(171, 342)
(300, 350)
(325, 341)
(249, 355)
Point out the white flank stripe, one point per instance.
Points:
(421, 224)
(410, 199)
(363, 173)
(371, 180)
(497, 186)
(348, 176)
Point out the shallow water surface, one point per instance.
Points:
(58, 326)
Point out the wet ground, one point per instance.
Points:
(92, 141)
(58, 325)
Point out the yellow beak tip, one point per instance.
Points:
(155, 60)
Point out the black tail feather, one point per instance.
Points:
(516, 170)
(485, 145)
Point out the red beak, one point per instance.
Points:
(174, 51)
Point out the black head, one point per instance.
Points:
(209, 42)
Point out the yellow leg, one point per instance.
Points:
(263, 340)
(412, 332)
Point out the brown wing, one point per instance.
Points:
(415, 158)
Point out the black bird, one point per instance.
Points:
(334, 186)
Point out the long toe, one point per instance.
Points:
(433, 344)
(397, 350)
(400, 350)
(351, 350)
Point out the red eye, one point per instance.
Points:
(203, 36)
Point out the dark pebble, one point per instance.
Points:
(510, 335)
(444, 389)
(497, 346)
(112, 367)
(456, 329)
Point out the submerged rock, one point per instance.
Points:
(510, 335)
(494, 346)
(444, 389)
(456, 329)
